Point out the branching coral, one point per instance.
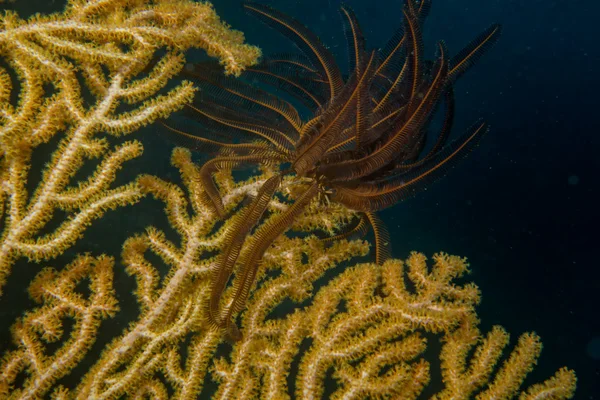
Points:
(367, 328)
(76, 73)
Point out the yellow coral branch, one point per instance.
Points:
(55, 290)
(108, 43)
(368, 327)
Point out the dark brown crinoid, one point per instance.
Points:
(364, 144)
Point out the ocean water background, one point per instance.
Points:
(523, 207)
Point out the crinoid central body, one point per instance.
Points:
(364, 145)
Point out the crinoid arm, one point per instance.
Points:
(235, 238)
(252, 254)
(310, 45)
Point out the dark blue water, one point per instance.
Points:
(523, 207)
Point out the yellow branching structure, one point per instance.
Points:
(368, 327)
(100, 47)
(315, 326)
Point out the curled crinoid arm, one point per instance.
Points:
(229, 163)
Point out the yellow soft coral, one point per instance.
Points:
(88, 70)
(312, 317)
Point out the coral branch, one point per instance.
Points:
(99, 47)
(368, 328)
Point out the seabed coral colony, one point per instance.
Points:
(86, 80)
